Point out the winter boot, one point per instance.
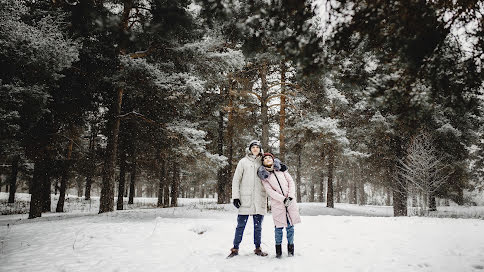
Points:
(233, 252)
(290, 250)
(258, 251)
(278, 251)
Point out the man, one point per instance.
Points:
(249, 196)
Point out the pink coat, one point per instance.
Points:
(277, 198)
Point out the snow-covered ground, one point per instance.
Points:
(198, 236)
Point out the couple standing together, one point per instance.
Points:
(257, 175)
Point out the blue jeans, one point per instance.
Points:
(289, 232)
(239, 231)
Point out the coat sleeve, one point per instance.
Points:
(239, 171)
(272, 193)
(292, 185)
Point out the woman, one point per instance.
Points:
(281, 189)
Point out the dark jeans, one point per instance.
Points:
(239, 231)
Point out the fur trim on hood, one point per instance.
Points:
(278, 166)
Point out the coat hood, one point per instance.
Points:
(278, 166)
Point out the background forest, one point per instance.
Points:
(367, 101)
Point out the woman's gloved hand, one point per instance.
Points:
(287, 201)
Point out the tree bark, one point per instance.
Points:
(311, 192)
(91, 162)
(13, 179)
(221, 179)
(298, 175)
(107, 189)
(282, 113)
(400, 192)
(65, 178)
(321, 181)
(162, 181)
(46, 184)
(361, 192)
(264, 107)
(330, 197)
(133, 180)
(36, 189)
(122, 180)
(175, 185)
(432, 203)
(166, 188)
(230, 155)
(337, 190)
(388, 200)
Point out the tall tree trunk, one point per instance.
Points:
(122, 179)
(311, 192)
(221, 179)
(79, 187)
(162, 181)
(282, 113)
(361, 191)
(330, 200)
(134, 159)
(264, 107)
(353, 186)
(175, 185)
(133, 180)
(107, 189)
(87, 191)
(91, 162)
(321, 181)
(166, 187)
(432, 203)
(399, 200)
(46, 184)
(298, 174)
(388, 200)
(400, 192)
(36, 189)
(230, 146)
(65, 178)
(337, 189)
(13, 179)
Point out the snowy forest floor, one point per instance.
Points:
(198, 237)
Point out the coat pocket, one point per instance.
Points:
(245, 201)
